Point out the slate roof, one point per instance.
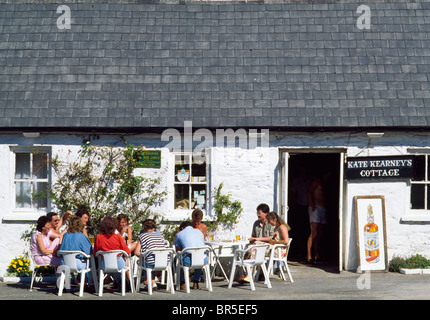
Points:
(285, 65)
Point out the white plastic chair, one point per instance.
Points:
(258, 261)
(69, 265)
(282, 261)
(163, 273)
(198, 256)
(35, 267)
(110, 259)
(162, 262)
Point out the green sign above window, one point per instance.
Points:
(149, 158)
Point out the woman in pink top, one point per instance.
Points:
(42, 248)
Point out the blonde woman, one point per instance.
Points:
(280, 235)
(75, 240)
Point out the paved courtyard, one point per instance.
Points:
(310, 283)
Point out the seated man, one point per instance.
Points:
(197, 217)
(262, 230)
(56, 223)
(189, 237)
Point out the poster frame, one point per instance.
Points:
(360, 205)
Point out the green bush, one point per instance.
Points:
(413, 262)
(227, 210)
(102, 179)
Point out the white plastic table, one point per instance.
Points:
(218, 247)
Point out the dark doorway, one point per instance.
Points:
(315, 165)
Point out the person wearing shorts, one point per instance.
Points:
(317, 216)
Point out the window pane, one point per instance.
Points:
(22, 166)
(182, 196)
(198, 171)
(427, 169)
(40, 166)
(198, 196)
(40, 200)
(23, 194)
(417, 196)
(419, 168)
(428, 198)
(182, 168)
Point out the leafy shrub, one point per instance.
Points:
(18, 267)
(102, 180)
(413, 262)
(227, 210)
(46, 271)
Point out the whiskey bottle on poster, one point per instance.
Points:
(371, 237)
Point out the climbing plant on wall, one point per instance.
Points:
(227, 209)
(102, 179)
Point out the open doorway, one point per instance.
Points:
(312, 166)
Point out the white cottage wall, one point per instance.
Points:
(403, 239)
(14, 224)
(10, 232)
(250, 175)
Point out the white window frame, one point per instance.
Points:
(418, 215)
(32, 213)
(181, 214)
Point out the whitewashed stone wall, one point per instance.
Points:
(250, 176)
(403, 239)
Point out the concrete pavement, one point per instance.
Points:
(310, 283)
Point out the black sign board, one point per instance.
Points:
(149, 158)
(379, 168)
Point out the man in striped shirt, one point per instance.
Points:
(148, 240)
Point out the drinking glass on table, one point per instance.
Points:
(238, 235)
(211, 236)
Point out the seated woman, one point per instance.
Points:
(125, 231)
(75, 240)
(108, 240)
(280, 236)
(41, 246)
(84, 214)
(281, 231)
(149, 239)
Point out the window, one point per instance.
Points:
(420, 184)
(190, 182)
(31, 178)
